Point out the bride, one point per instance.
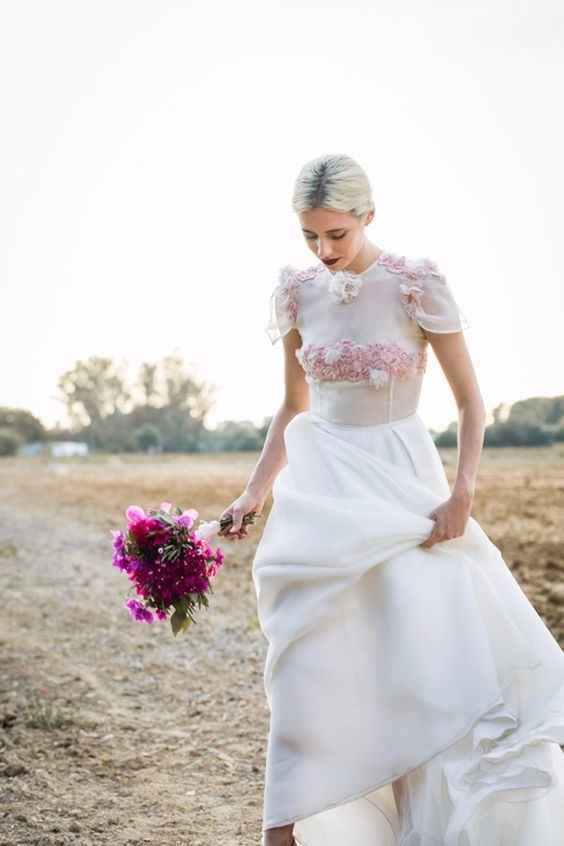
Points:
(416, 697)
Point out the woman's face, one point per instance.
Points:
(335, 237)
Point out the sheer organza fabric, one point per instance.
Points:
(416, 697)
(366, 330)
(422, 291)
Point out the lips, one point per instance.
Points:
(329, 261)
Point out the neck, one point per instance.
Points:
(366, 256)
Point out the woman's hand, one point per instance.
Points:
(450, 519)
(241, 506)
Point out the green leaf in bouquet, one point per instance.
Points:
(171, 553)
(179, 622)
(182, 605)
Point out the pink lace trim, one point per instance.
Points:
(345, 286)
(410, 296)
(410, 268)
(289, 281)
(348, 361)
(410, 292)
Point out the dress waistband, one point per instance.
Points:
(360, 404)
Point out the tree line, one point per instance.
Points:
(536, 421)
(165, 408)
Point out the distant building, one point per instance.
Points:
(56, 449)
(65, 449)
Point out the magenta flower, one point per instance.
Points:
(119, 558)
(138, 611)
(187, 518)
(169, 564)
(134, 514)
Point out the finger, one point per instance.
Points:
(237, 518)
(433, 538)
(222, 517)
(432, 534)
(436, 537)
(235, 536)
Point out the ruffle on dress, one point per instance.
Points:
(283, 304)
(392, 663)
(428, 299)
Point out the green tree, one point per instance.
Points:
(537, 411)
(10, 441)
(516, 434)
(94, 389)
(23, 422)
(449, 437)
(148, 437)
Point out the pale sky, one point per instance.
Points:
(148, 155)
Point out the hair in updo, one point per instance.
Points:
(333, 181)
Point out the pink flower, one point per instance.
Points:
(409, 268)
(134, 513)
(288, 284)
(187, 518)
(410, 296)
(138, 611)
(161, 576)
(347, 361)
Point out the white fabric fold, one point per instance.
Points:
(387, 661)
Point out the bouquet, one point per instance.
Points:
(170, 564)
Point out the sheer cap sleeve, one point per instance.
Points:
(428, 299)
(283, 304)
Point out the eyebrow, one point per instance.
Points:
(327, 231)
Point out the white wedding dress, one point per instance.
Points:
(416, 697)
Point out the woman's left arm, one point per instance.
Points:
(452, 515)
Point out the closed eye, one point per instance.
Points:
(334, 237)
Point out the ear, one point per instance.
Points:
(369, 218)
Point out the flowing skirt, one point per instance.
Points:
(416, 697)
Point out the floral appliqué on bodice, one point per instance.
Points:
(375, 362)
(348, 361)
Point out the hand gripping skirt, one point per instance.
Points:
(416, 697)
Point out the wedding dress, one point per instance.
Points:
(416, 697)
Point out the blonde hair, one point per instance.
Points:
(333, 181)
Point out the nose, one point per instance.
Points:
(324, 249)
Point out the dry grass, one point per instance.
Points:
(113, 732)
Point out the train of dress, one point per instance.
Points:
(390, 664)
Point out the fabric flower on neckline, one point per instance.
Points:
(344, 286)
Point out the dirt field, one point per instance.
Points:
(115, 732)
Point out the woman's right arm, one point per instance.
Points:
(273, 455)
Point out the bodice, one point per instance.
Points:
(364, 335)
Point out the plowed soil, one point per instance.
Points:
(115, 732)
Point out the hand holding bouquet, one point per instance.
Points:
(236, 516)
(171, 564)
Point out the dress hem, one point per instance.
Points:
(359, 794)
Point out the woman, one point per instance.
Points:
(415, 695)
